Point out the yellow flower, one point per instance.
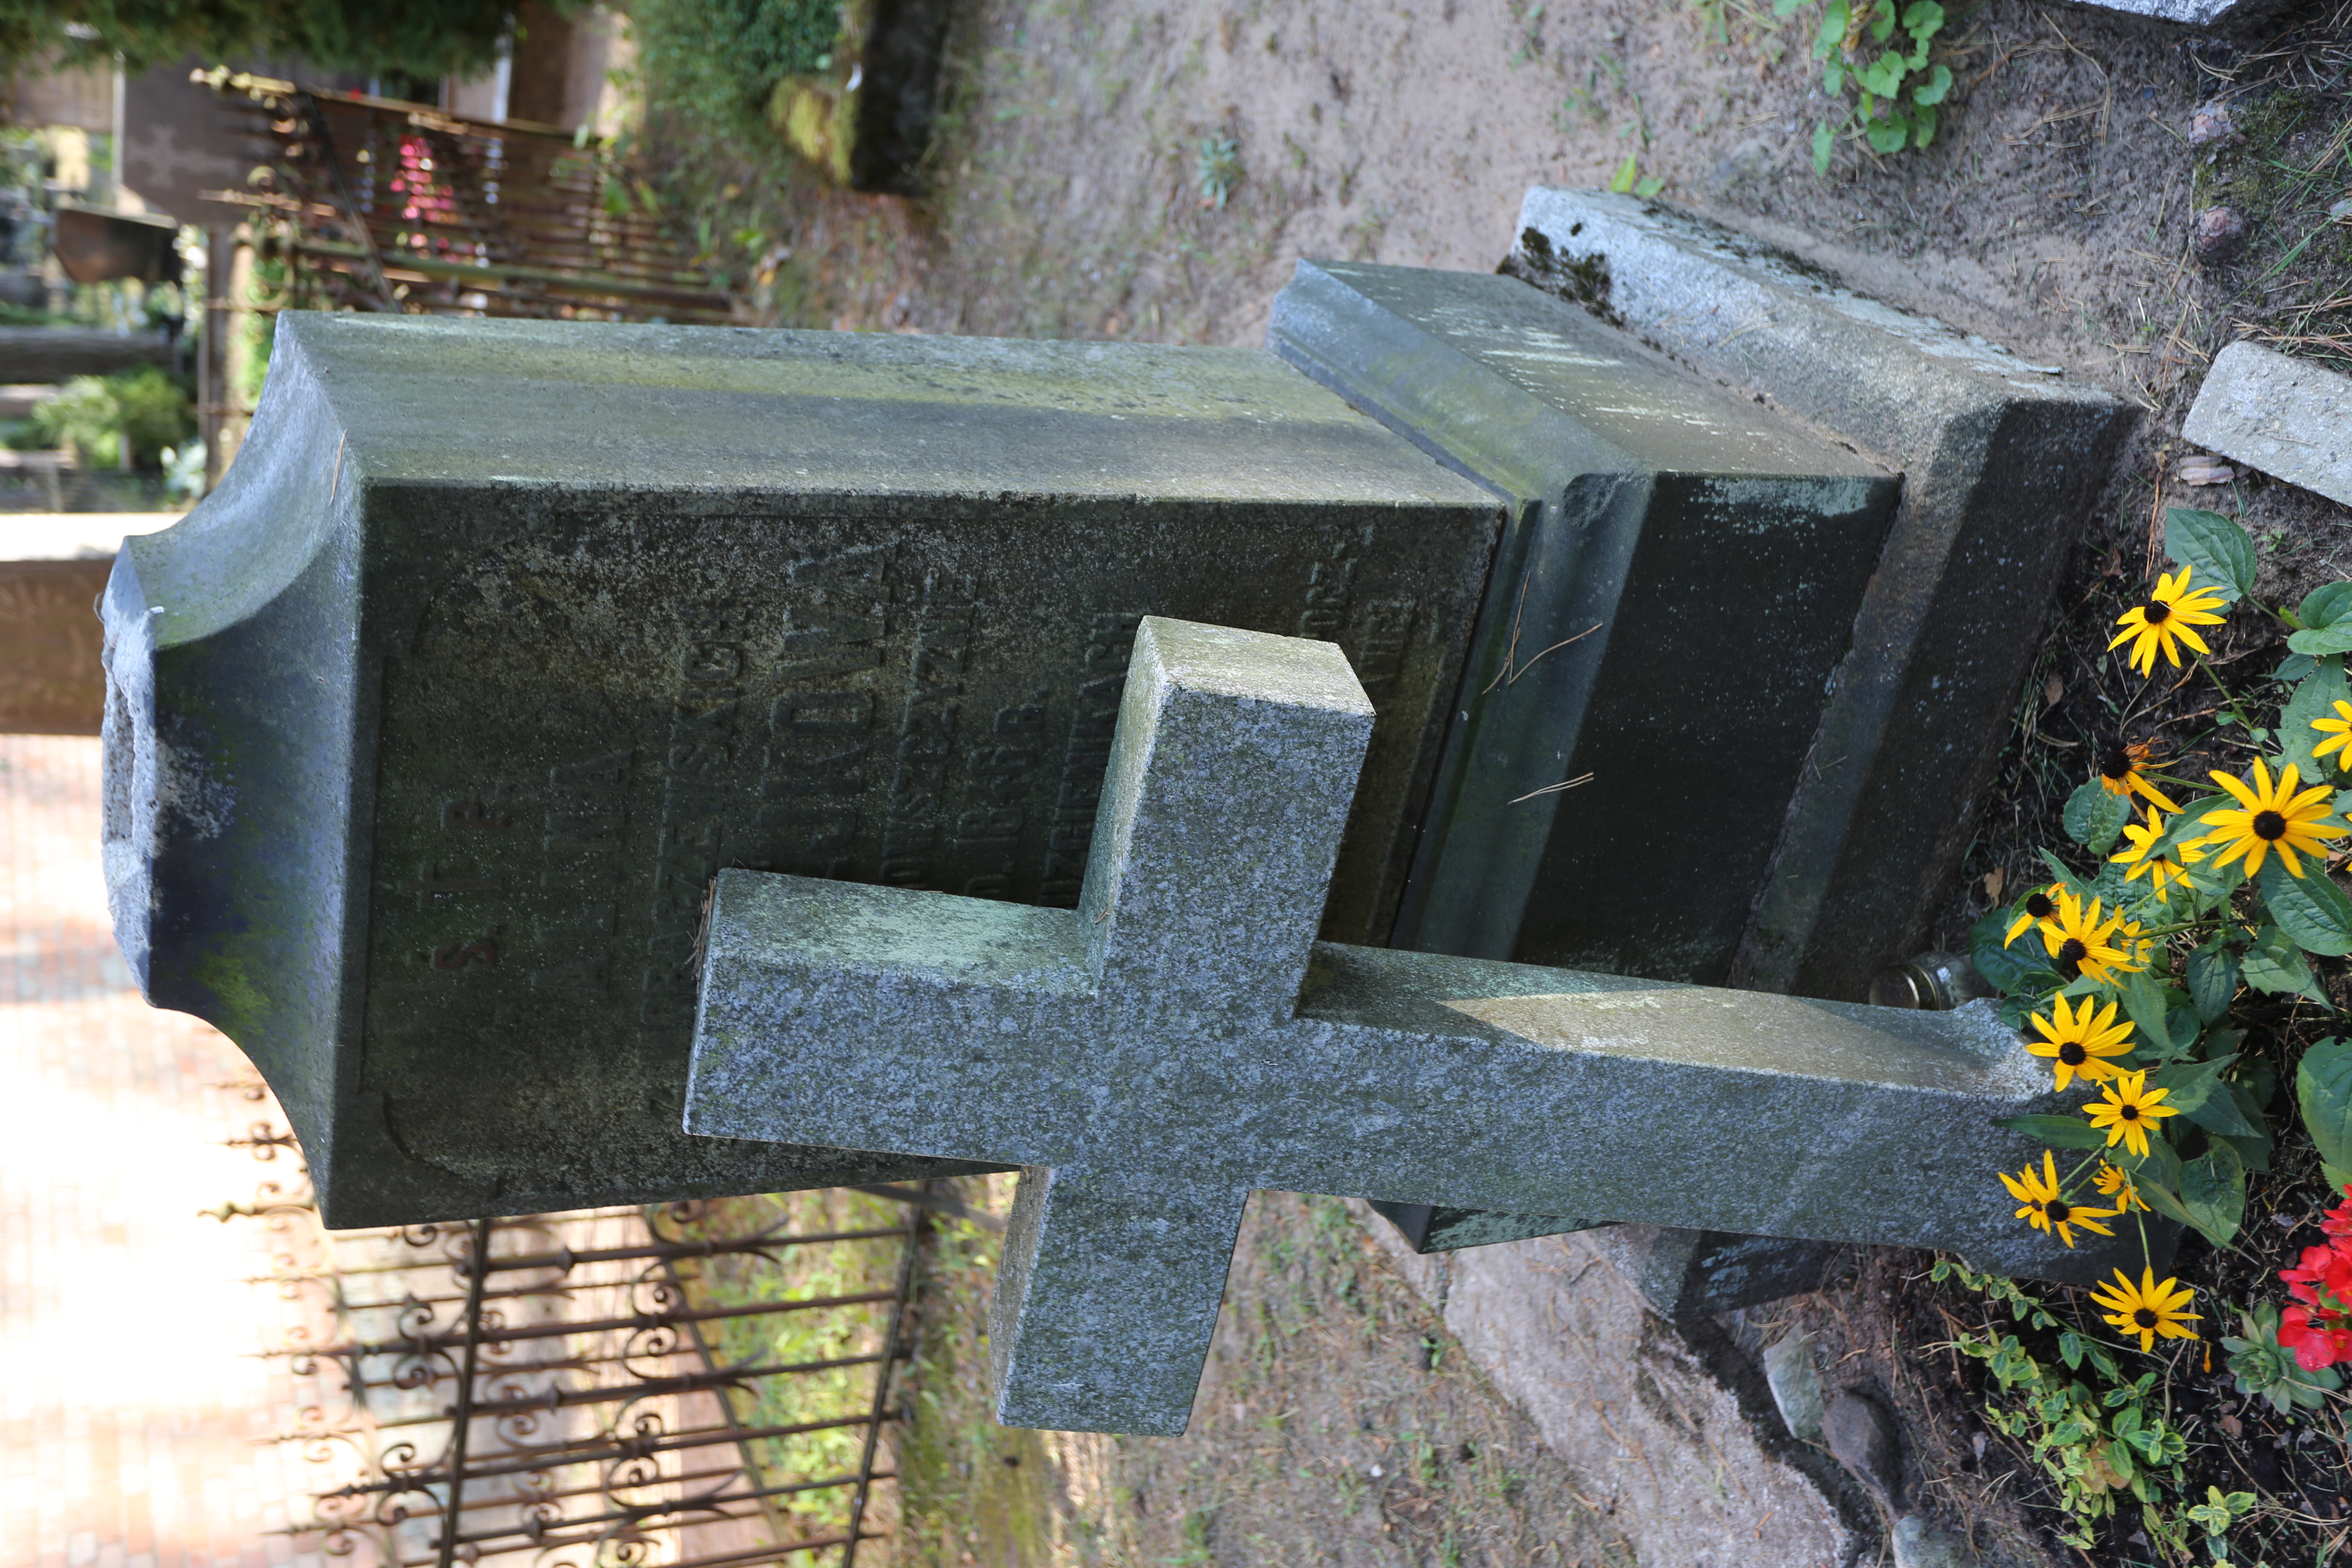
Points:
(2045, 1208)
(2161, 871)
(2124, 1110)
(2119, 774)
(2081, 943)
(2274, 818)
(2166, 618)
(2079, 1041)
(2340, 731)
(2113, 1183)
(2036, 910)
(2146, 1309)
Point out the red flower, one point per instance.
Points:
(2314, 1345)
(2337, 1221)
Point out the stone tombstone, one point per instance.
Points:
(1181, 1038)
(1675, 587)
(429, 731)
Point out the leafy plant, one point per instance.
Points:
(1218, 168)
(719, 62)
(93, 415)
(1898, 92)
(2097, 1435)
(1629, 178)
(2267, 1370)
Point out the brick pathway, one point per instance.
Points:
(131, 1401)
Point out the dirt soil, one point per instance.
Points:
(1338, 1422)
(2054, 215)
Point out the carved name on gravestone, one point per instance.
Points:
(436, 722)
(427, 731)
(1181, 1038)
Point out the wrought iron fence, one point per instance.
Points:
(703, 1385)
(385, 206)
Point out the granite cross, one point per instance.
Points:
(1181, 1038)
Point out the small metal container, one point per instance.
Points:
(1935, 981)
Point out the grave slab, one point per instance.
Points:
(1183, 1028)
(1677, 583)
(2000, 461)
(2287, 416)
(427, 730)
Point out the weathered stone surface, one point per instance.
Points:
(1999, 461)
(1693, 1473)
(1684, 1274)
(1430, 1227)
(1182, 1025)
(2287, 417)
(429, 729)
(1796, 1384)
(1699, 543)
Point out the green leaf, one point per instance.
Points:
(2314, 697)
(2213, 1191)
(1784, 9)
(2322, 641)
(2212, 979)
(1823, 142)
(1882, 23)
(2188, 1085)
(2215, 550)
(2326, 605)
(2310, 908)
(2323, 1087)
(1889, 133)
(1932, 90)
(1923, 125)
(1623, 180)
(2293, 668)
(1835, 16)
(1650, 186)
(2275, 966)
(1885, 76)
(2161, 1197)
(2058, 1131)
(2145, 1004)
(2094, 817)
(1923, 18)
(1834, 78)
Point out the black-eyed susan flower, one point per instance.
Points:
(2168, 618)
(2338, 732)
(2034, 909)
(2273, 818)
(2082, 943)
(2122, 771)
(2147, 1308)
(2114, 1183)
(2126, 1107)
(2080, 1041)
(2161, 871)
(2045, 1208)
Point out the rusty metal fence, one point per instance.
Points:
(702, 1385)
(386, 206)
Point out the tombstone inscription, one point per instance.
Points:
(1180, 1038)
